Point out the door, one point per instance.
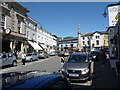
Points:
(4, 59)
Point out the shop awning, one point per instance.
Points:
(43, 46)
(35, 45)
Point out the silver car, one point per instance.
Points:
(7, 59)
(31, 57)
(43, 54)
(78, 66)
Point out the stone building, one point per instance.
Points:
(12, 26)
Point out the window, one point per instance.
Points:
(3, 21)
(33, 36)
(83, 38)
(97, 42)
(27, 34)
(97, 37)
(83, 42)
(71, 45)
(19, 26)
(4, 56)
(88, 42)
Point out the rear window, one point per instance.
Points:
(77, 58)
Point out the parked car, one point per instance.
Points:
(78, 67)
(95, 55)
(31, 56)
(53, 53)
(7, 59)
(59, 53)
(34, 80)
(43, 54)
(66, 53)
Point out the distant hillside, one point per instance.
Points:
(68, 37)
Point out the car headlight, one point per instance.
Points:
(94, 56)
(85, 71)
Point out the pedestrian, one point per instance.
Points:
(62, 58)
(103, 57)
(23, 58)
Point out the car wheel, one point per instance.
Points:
(31, 60)
(14, 63)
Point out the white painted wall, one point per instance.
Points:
(112, 12)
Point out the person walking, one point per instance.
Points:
(62, 58)
(23, 58)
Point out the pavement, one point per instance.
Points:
(105, 77)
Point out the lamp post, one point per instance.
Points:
(105, 14)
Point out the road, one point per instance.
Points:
(51, 64)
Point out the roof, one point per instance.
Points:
(21, 6)
(90, 34)
(114, 4)
(68, 39)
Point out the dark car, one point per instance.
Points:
(95, 55)
(34, 80)
(77, 67)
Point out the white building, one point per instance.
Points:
(38, 37)
(31, 35)
(65, 44)
(45, 39)
(89, 41)
(95, 40)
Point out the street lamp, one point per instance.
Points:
(105, 14)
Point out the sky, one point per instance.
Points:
(62, 18)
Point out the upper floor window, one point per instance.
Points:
(88, 42)
(97, 37)
(83, 42)
(83, 38)
(3, 20)
(19, 26)
(33, 36)
(27, 34)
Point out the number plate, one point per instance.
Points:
(74, 75)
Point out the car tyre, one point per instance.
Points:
(14, 63)
(31, 60)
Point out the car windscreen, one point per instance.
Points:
(95, 53)
(77, 59)
(28, 54)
